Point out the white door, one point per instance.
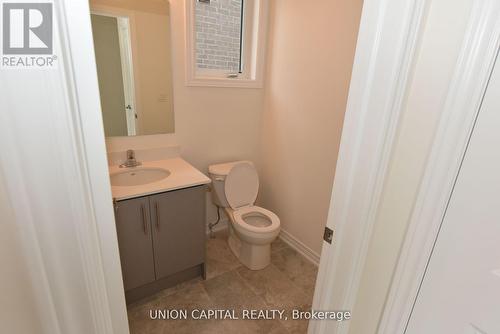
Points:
(113, 50)
(128, 73)
(460, 292)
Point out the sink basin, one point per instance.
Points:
(138, 176)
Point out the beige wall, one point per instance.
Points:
(211, 124)
(294, 136)
(152, 60)
(442, 38)
(18, 312)
(154, 73)
(310, 55)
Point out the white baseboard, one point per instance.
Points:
(287, 238)
(302, 249)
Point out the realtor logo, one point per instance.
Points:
(27, 35)
(27, 28)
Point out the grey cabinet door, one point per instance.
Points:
(135, 242)
(178, 219)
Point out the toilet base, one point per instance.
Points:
(254, 257)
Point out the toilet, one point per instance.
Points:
(251, 228)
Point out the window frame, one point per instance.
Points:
(255, 22)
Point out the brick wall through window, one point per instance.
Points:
(218, 26)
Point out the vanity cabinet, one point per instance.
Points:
(161, 239)
(135, 242)
(179, 230)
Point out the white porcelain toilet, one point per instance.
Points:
(252, 228)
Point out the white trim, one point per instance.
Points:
(92, 154)
(255, 35)
(125, 42)
(462, 105)
(134, 56)
(124, 23)
(128, 72)
(62, 203)
(383, 61)
(302, 249)
(287, 238)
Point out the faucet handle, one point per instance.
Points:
(130, 162)
(130, 155)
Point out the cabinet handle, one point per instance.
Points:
(143, 215)
(115, 206)
(157, 210)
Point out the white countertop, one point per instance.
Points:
(182, 175)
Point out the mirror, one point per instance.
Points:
(134, 67)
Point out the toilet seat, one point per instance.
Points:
(241, 185)
(240, 214)
(241, 188)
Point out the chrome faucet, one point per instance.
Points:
(130, 162)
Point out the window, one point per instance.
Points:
(225, 41)
(218, 35)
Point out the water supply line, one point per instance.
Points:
(212, 225)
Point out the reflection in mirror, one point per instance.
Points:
(133, 56)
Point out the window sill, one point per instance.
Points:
(223, 82)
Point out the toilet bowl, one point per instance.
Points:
(251, 228)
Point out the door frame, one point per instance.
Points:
(385, 54)
(386, 51)
(68, 239)
(127, 64)
(472, 73)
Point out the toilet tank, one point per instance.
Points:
(218, 175)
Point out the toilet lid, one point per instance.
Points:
(242, 185)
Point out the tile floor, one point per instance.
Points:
(288, 283)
